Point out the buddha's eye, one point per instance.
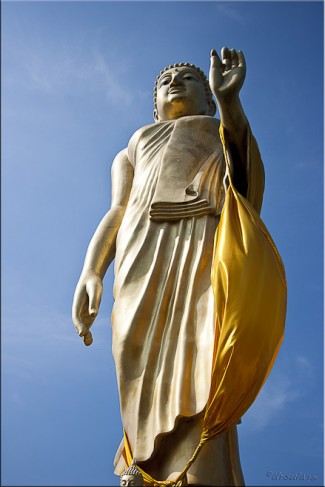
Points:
(164, 82)
(188, 77)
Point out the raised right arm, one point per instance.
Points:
(101, 250)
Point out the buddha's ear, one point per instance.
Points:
(155, 116)
(212, 108)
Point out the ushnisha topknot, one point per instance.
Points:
(181, 65)
(132, 469)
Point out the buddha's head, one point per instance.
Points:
(132, 476)
(182, 89)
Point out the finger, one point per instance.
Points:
(234, 58)
(226, 59)
(241, 59)
(94, 289)
(225, 53)
(79, 303)
(214, 59)
(81, 328)
(88, 339)
(84, 333)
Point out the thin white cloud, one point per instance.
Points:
(285, 385)
(34, 332)
(303, 363)
(272, 399)
(230, 12)
(40, 345)
(64, 70)
(112, 85)
(30, 323)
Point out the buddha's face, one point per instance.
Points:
(133, 480)
(181, 92)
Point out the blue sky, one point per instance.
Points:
(77, 81)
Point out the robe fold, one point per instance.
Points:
(163, 318)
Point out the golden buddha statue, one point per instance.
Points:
(168, 192)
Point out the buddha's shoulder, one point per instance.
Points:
(157, 127)
(198, 120)
(148, 132)
(150, 128)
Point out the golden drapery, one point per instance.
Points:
(249, 285)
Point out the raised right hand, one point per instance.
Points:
(226, 75)
(86, 303)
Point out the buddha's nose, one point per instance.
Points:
(176, 80)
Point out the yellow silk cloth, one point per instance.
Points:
(249, 285)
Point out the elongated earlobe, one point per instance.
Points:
(155, 116)
(213, 108)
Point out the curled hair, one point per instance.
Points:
(132, 470)
(207, 88)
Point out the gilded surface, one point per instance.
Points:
(163, 316)
(168, 191)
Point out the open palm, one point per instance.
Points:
(227, 74)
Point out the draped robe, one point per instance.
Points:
(163, 317)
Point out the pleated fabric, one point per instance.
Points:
(195, 324)
(163, 316)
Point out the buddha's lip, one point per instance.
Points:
(176, 90)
